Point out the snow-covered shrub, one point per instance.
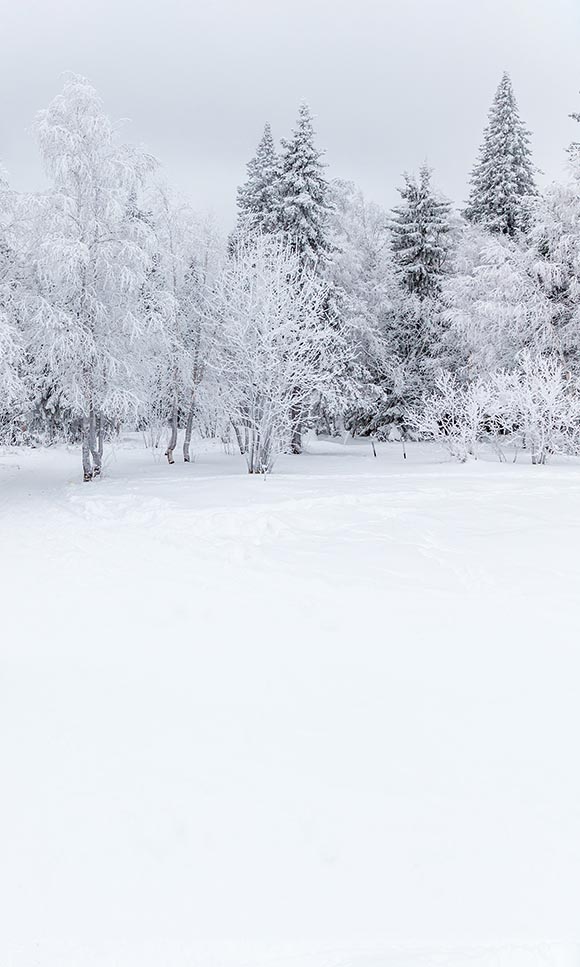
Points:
(540, 401)
(455, 415)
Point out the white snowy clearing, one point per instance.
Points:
(327, 718)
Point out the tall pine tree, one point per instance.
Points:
(258, 197)
(504, 175)
(304, 195)
(420, 235)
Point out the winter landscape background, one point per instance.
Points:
(289, 493)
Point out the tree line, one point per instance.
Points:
(122, 307)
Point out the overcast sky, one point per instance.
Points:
(390, 83)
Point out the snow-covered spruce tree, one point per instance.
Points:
(420, 235)
(421, 232)
(272, 343)
(259, 196)
(304, 195)
(503, 177)
(92, 261)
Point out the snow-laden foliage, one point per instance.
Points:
(503, 177)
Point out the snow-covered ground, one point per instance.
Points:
(330, 717)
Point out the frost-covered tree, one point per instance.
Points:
(555, 249)
(166, 297)
(304, 204)
(503, 176)
(273, 345)
(13, 387)
(93, 256)
(259, 196)
(362, 272)
(495, 306)
(420, 235)
(420, 240)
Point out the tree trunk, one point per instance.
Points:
(100, 436)
(296, 441)
(241, 438)
(188, 432)
(173, 438)
(296, 424)
(86, 450)
(95, 447)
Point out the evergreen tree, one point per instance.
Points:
(258, 196)
(304, 195)
(420, 235)
(503, 176)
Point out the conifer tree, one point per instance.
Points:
(304, 195)
(503, 176)
(258, 196)
(420, 235)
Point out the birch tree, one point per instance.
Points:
(94, 252)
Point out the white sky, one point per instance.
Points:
(390, 83)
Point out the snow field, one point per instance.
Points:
(326, 717)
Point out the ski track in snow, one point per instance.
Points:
(338, 704)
